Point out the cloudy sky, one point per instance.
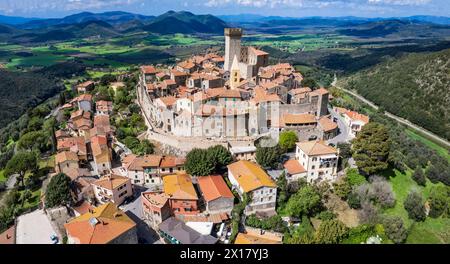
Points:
(296, 8)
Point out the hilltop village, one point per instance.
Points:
(213, 106)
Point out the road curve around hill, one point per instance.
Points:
(397, 118)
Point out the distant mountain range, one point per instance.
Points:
(252, 18)
(110, 24)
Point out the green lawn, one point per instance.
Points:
(34, 200)
(430, 231)
(439, 149)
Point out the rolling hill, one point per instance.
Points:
(185, 22)
(415, 86)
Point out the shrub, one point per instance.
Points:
(342, 189)
(331, 232)
(418, 176)
(326, 215)
(438, 201)
(354, 178)
(414, 206)
(394, 228)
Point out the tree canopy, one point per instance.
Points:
(371, 148)
(287, 140)
(203, 162)
(20, 164)
(58, 191)
(414, 205)
(306, 201)
(331, 232)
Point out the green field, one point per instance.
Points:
(429, 231)
(299, 42)
(439, 149)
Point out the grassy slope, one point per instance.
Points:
(430, 231)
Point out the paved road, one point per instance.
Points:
(343, 135)
(134, 210)
(398, 119)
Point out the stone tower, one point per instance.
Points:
(235, 74)
(232, 46)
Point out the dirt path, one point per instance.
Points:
(344, 213)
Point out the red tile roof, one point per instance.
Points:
(214, 187)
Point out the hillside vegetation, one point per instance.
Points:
(21, 91)
(415, 87)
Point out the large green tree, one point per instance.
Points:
(331, 232)
(371, 148)
(20, 164)
(220, 155)
(287, 140)
(306, 201)
(268, 157)
(199, 163)
(58, 191)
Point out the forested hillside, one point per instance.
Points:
(415, 86)
(19, 91)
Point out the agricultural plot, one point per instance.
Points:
(299, 42)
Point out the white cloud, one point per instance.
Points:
(30, 6)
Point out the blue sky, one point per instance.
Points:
(296, 8)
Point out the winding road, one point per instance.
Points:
(396, 118)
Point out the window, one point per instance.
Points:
(270, 191)
(262, 200)
(313, 167)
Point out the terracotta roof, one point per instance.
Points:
(171, 161)
(178, 73)
(158, 199)
(186, 64)
(300, 90)
(100, 226)
(314, 148)
(258, 52)
(242, 238)
(168, 100)
(321, 91)
(74, 144)
(111, 182)
(66, 156)
(169, 82)
(340, 110)
(262, 96)
(85, 97)
(100, 148)
(214, 187)
(294, 167)
(327, 124)
(250, 176)
(9, 236)
(298, 119)
(133, 162)
(104, 105)
(101, 120)
(83, 207)
(61, 134)
(357, 116)
(148, 69)
(179, 186)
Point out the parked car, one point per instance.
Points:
(314, 137)
(54, 239)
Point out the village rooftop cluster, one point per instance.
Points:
(210, 99)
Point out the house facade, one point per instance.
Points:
(248, 178)
(318, 159)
